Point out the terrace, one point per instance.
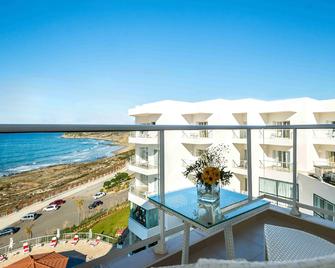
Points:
(248, 233)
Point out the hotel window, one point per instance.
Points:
(277, 188)
(331, 156)
(204, 132)
(282, 133)
(282, 159)
(147, 218)
(320, 202)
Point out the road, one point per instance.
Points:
(66, 216)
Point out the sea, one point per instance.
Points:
(21, 152)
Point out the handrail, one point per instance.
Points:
(26, 128)
(301, 205)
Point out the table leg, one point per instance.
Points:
(186, 243)
(229, 242)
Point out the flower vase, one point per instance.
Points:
(208, 193)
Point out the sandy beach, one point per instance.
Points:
(26, 188)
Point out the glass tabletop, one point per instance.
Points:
(185, 203)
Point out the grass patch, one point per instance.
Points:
(118, 219)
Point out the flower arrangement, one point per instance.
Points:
(208, 171)
(210, 167)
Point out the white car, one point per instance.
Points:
(99, 195)
(51, 207)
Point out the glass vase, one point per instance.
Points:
(208, 193)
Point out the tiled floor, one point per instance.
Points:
(248, 238)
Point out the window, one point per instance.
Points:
(277, 188)
(204, 132)
(320, 202)
(282, 159)
(147, 218)
(282, 133)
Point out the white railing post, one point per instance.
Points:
(160, 248)
(249, 162)
(295, 208)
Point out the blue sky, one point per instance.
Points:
(89, 61)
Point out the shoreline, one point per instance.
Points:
(28, 187)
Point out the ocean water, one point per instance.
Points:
(23, 152)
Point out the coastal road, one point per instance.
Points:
(66, 216)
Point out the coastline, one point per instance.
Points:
(28, 187)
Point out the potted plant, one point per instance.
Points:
(209, 173)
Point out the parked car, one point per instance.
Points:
(58, 202)
(51, 208)
(99, 195)
(9, 230)
(29, 217)
(95, 204)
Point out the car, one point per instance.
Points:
(99, 195)
(9, 230)
(30, 216)
(95, 204)
(58, 202)
(51, 208)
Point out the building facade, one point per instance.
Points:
(271, 151)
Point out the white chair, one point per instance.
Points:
(286, 244)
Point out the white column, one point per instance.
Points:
(186, 244)
(249, 164)
(295, 208)
(160, 248)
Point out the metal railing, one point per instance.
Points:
(276, 134)
(144, 134)
(240, 134)
(139, 190)
(7, 128)
(276, 165)
(324, 134)
(241, 164)
(198, 134)
(142, 163)
(45, 239)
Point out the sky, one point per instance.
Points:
(83, 61)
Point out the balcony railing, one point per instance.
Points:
(276, 165)
(276, 134)
(198, 134)
(141, 163)
(139, 190)
(324, 133)
(241, 164)
(144, 134)
(163, 143)
(240, 134)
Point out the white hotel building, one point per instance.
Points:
(271, 151)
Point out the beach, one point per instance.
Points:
(26, 188)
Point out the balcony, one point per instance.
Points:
(278, 137)
(142, 166)
(143, 137)
(188, 161)
(197, 137)
(248, 234)
(139, 190)
(140, 230)
(240, 136)
(324, 136)
(249, 241)
(276, 170)
(240, 167)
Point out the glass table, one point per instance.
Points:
(209, 217)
